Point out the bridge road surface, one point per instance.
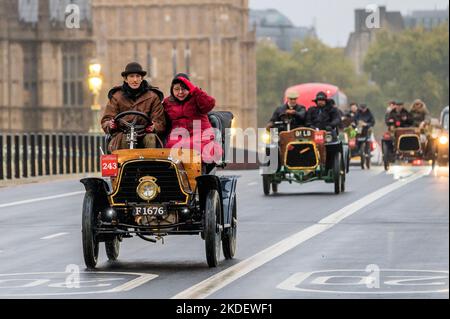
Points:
(386, 237)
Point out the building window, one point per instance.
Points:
(28, 11)
(57, 9)
(73, 76)
(30, 74)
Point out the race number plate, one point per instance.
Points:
(110, 165)
(151, 210)
(303, 134)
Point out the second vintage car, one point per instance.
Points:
(304, 155)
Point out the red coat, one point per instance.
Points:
(183, 115)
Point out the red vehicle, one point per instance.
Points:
(308, 91)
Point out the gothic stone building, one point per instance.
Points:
(44, 64)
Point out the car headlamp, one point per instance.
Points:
(266, 138)
(443, 140)
(147, 188)
(329, 138)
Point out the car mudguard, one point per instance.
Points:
(333, 148)
(206, 183)
(96, 185)
(228, 184)
(225, 186)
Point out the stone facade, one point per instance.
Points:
(209, 39)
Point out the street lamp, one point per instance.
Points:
(95, 81)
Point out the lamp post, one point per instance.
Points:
(95, 80)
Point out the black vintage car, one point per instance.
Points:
(154, 193)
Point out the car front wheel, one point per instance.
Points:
(90, 243)
(212, 230)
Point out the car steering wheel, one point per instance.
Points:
(128, 125)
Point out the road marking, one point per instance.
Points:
(54, 236)
(96, 282)
(220, 280)
(252, 184)
(40, 199)
(134, 283)
(406, 279)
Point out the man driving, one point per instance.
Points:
(399, 116)
(135, 94)
(323, 116)
(291, 110)
(365, 117)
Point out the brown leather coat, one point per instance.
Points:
(149, 103)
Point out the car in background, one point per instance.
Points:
(442, 148)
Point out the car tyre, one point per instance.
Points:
(343, 177)
(90, 242)
(386, 156)
(212, 230)
(230, 235)
(275, 188)
(337, 173)
(112, 249)
(266, 185)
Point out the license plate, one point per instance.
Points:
(151, 210)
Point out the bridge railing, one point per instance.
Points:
(43, 154)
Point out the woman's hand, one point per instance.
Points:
(188, 84)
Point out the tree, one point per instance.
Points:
(309, 61)
(412, 64)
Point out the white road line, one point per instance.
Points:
(54, 236)
(252, 184)
(227, 276)
(40, 199)
(144, 278)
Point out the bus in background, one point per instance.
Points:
(308, 91)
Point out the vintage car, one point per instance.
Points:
(442, 145)
(304, 155)
(154, 193)
(408, 146)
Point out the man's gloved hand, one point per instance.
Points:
(291, 112)
(191, 87)
(112, 125)
(150, 129)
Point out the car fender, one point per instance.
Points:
(96, 185)
(206, 183)
(228, 184)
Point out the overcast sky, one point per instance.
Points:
(334, 19)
